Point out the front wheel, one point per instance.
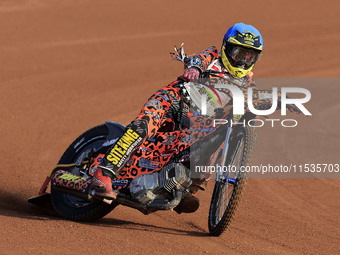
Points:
(73, 208)
(228, 189)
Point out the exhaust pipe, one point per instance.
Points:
(64, 179)
(71, 184)
(74, 185)
(78, 186)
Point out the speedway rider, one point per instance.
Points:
(241, 48)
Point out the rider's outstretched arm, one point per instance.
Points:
(202, 60)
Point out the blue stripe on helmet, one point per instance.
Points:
(242, 28)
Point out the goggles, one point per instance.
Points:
(242, 55)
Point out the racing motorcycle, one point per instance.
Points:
(159, 188)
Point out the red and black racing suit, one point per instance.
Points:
(163, 117)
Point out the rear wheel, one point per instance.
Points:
(73, 208)
(228, 188)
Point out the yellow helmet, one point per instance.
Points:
(242, 47)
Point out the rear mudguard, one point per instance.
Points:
(114, 129)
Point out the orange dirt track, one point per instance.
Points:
(68, 65)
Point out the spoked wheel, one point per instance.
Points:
(229, 186)
(71, 207)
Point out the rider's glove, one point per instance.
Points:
(191, 73)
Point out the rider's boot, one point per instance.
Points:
(189, 204)
(198, 184)
(102, 184)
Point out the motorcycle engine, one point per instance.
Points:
(159, 185)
